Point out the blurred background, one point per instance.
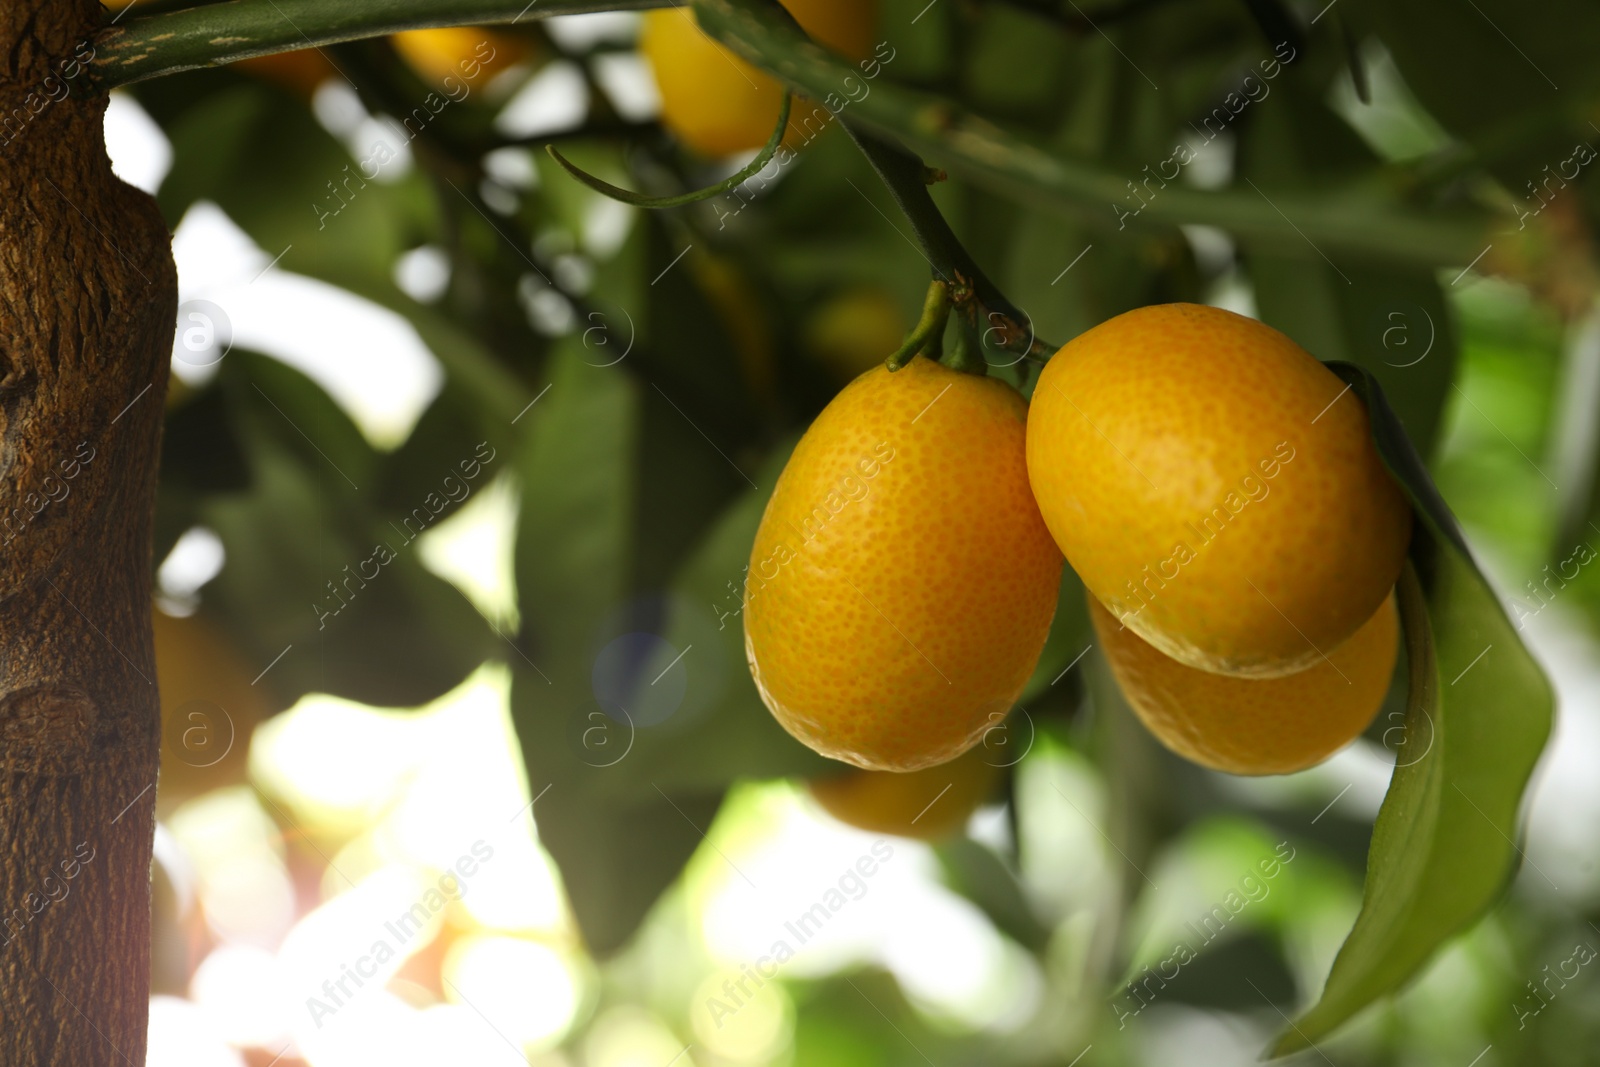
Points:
(462, 762)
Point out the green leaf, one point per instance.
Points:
(303, 589)
(1070, 636)
(634, 707)
(617, 859)
(596, 731)
(977, 873)
(723, 732)
(1444, 844)
(572, 554)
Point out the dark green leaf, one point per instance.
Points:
(1070, 636)
(572, 555)
(974, 871)
(723, 732)
(617, 859)
(302, 571)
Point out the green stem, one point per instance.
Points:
(967, 354)
(1347, 220)
(149, 46)
(929, 332)
(968, 286)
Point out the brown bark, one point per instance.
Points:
(87, 295)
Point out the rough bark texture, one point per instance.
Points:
(87, 295)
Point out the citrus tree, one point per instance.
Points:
(940, 195)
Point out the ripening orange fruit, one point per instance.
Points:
(1255, 725)
(299, 72)
(929, 804)
(901, 584)
(465, 53)
(718, 104)
(209, 706)
(1216, 488)
(855, 330)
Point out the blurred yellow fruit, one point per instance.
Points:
(854, 330)
(718, 104)
(299, 72)
(901, 584)
(208, 706)
(465, 53)
(929, 804)
(1255, 725)
(1216, 488)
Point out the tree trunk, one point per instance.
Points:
(87, 295)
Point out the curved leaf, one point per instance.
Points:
(728, 184)
(1444, 844)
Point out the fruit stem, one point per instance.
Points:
(928, 336)
(906, 177)
(967, 355)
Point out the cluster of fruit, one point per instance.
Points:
(1212, 484)
(1215, 487)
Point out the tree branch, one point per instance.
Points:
(153, 45)
(1362, 220)
(1359, 220)
(969, 288)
